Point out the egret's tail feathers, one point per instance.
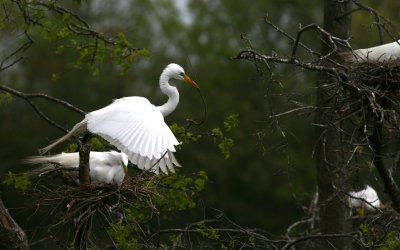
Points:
(33, 160)
(49, 164)
(79, 128)
(65, 159)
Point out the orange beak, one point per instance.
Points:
(187, 79)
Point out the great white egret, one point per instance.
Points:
(105, 167)
(366, 198)
(382, 53)
(137, 127)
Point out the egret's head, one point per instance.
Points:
(175, 71)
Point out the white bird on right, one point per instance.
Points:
(105, 167)
(366, 198)
(381, 53)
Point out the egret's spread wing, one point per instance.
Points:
(137, 128)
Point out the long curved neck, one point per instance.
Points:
(171, 92)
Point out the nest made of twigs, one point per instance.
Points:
(70, 199)
(72, 206)
(375, 87)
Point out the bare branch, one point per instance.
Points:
(253, 55)
(325, 237)
(28, 97)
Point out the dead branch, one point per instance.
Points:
(28, 97)
(23, 48)
(252, 55)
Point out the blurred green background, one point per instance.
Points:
(269, 178)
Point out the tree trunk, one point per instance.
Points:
(83, 224)
(331, 174)
(11, 235)
(84, 167)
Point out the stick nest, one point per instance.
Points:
(72, 202)
(375, 87)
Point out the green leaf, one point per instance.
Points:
(182, 135)
(217, 133)
(225, 146)
(201, 181)
(208, 232)
(231, 122)
(19, 182)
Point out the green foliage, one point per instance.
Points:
(207, 231)
(19, 182)
(225, 144)
(183, 135)
(5, 98)
(200, 182)
(177, 192)
(99, 144)
(166, 194)
(125, 53)
(56, 24)
(229, 246)
(374, 238)
(120, 233)
(225, 147)
(231, 122)
(392, 241)
(71, 147)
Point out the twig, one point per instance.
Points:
(317, 237)
(253, 55)
(27, 98)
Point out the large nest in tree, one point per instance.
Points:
(377, 84)
(374, 87)
(139, 201)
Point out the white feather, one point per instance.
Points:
(366, 198)
(143, 134)
(105, 167)
(385, 52)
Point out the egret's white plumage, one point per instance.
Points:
(385, 52)
(366, 198)
(105, 167)
(137, 127)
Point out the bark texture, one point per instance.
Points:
(11, 235)
(329, 159)
(84, 167)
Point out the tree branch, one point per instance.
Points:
(253, 55)
(11, 234)
(389, 183)
(28, 97)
